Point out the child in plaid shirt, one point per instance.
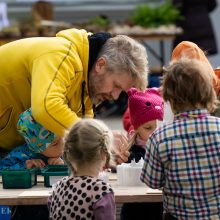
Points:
(183, 157)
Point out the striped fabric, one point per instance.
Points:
(183, 157)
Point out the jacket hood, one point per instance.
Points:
(76, 36)
(79, 38)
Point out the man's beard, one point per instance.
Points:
(95, 86)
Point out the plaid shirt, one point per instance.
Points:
(183, 157)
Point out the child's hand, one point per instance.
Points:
(55, 161)
(38, 163)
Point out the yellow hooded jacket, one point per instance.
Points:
(45, 73)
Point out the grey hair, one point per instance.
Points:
(124, 53)
(86, 141)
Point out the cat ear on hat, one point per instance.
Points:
(153, 90)
(132, 91)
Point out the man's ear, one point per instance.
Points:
(100, 64)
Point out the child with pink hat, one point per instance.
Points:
(145, 109)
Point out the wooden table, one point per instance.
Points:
(161, 38)
(38, 195)
(144, 35)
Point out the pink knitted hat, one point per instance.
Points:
(145, 106)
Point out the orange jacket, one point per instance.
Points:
(192, 51)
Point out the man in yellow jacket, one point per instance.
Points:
(62, 77)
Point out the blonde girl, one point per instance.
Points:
(83, 195)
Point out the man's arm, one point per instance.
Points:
(52, 77)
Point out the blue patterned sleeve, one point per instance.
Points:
(16, 159)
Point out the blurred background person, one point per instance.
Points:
(196, 23)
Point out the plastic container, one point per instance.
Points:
(19, 179)
(53, 173)
(128, 174)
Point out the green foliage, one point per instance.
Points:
(143, 16)
(100, 20)
(164, 14)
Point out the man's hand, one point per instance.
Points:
(120, 151)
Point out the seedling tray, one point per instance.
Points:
(53, 173)
(19, 179)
